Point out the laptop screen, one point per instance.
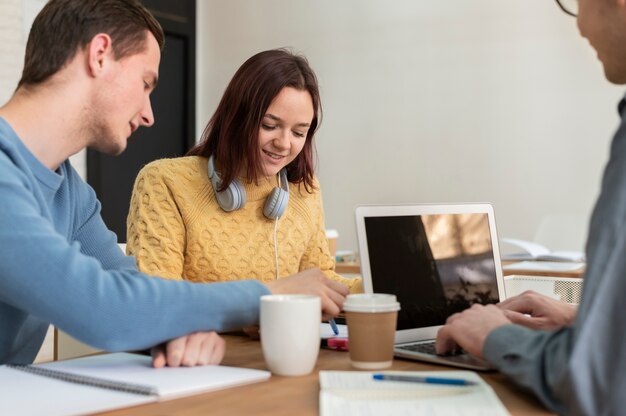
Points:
(436, 264)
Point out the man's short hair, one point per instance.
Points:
(65, 26)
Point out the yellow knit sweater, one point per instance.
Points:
(176, 229)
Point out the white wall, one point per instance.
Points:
(12, 45)
(16, 18)
(430, 101)
(424, 101)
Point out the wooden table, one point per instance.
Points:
(578, 273)
(348, 267)
(299, 395)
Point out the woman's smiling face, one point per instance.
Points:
(284, 128)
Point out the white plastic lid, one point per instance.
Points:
(332, 233)
(371, 302)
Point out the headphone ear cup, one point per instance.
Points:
(276, 203)
(233, 197)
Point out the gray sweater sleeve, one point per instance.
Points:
(536, 360)
(579, 369)
(582, 369)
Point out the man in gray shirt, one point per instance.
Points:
(574, 362)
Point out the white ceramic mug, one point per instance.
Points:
(290, 333)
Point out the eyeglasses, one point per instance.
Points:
(569, 6)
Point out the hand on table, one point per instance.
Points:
(199, 348)
(313, 282)
(536, 311)
(469, 329)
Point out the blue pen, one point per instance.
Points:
(333, 325)
(427, 380)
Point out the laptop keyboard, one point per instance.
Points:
(427, 348)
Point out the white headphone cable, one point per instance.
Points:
(276, 246)
(275, 242)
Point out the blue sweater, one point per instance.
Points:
(581, 370)
(60, 264)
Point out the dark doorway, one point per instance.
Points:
(173, 104)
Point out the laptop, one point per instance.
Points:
(438, 259)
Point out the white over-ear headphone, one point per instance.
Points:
(234, 196)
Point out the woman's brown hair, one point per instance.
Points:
(231, 135)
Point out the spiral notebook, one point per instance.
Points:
(106, 382)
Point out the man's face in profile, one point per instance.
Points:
(122, 103)
(603, 24)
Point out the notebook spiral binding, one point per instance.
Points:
(86, 380)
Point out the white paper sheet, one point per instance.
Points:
(348, 393)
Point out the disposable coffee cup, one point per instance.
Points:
(331, 236)
(371, 320)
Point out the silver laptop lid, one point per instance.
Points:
(438, 259)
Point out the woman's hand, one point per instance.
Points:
(314, 282)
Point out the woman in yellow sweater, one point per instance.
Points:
(244, 203)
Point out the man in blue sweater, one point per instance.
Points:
(574, 362)
(89, 69)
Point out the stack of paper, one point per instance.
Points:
(327, 332)
(346, 393)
